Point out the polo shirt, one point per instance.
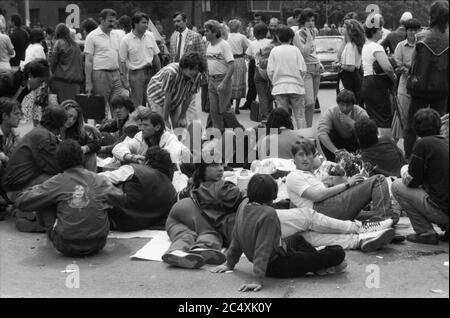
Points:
(138, 52)
(104, 48)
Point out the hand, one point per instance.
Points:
(251, 287)
(221, 269)
(138, 158)
(85, 149)
(182, 122)
(89, 88)
(3, 158)
(356, 179)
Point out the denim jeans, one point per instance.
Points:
(296, 102)
(312, 83)
(421, 211)
(219, 100)
(319, 229)
(349, 203)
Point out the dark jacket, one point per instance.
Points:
(20, 40)
(91, 138)
(81, 199)
(33, 156)
(150, 196)
(428, 76)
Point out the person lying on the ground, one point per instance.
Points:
(343, 201)
(381, 152)
(123, 124)
(257, 234)
(149, 190)
(87, 136)
(336, 128)
(201, 224)
(423, 190)
(169, 92)
(153, 133)
(280, 121)
(72, 206)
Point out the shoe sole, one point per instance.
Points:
(211, 257)
(376, 243)
(191, 261)
(429, 242)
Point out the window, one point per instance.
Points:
(265, 5)
(34, 17)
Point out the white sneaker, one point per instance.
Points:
(182, 259)
(373, 241)
(369, 227)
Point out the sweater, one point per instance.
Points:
(257, 234)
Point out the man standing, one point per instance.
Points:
(393, 38)
(103, 76)
(19, 39)
(139, 53)
(185, 41)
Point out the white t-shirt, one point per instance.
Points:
(33, 52)
(238, 43)
(368, 56)
(297, 182)
(218, 57)
(255, 46)
(350, 55)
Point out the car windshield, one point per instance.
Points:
(328, 45)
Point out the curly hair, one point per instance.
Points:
(214, 26)
(193, 61)
(427, 122)
(159, 159)
(355, 32)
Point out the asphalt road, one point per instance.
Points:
(30, 267)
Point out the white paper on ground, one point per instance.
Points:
(155, 249)
(135, 234)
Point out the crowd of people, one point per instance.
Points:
(390, 87)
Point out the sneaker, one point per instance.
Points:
(430, 239)
(182, 259)
(369, 227)
(373, 241)
(333, 270)
(211, 256)
(24, 225)
(444, 237)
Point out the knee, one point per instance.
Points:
(397, 188)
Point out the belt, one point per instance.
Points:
(236, 56)
(142, 69)
(109, 71)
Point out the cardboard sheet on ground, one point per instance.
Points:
(135, 234)
(154, 250)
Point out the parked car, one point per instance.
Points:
(327, 48)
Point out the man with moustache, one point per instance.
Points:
(104, 75)
(184, 41)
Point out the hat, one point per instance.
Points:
(406, 16)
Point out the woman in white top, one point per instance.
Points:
(378, 82)
(350, 76)
(35, 50)
(239, 44)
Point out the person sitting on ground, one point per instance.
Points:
(381, 152)
(280, 121)
(343, 201)
(33, 76)
(201, 224)
(336, 128)
(423, 190)
(153, 133)
(149, 190)
(10, 115)
(33, 161)
(257, 234)
(122, 125)
(73, 205)
(87, 136)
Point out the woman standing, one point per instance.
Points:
(403, 58)
(66, 65)
(304, 40)
(350, 60)
(239, 44)
(35, 50)
(379, 77)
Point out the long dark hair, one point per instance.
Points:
(77, 131)
(62, 32)
(355, 32)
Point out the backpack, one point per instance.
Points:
(429, 70)
(262, 58)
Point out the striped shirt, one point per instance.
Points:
(171, 79)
